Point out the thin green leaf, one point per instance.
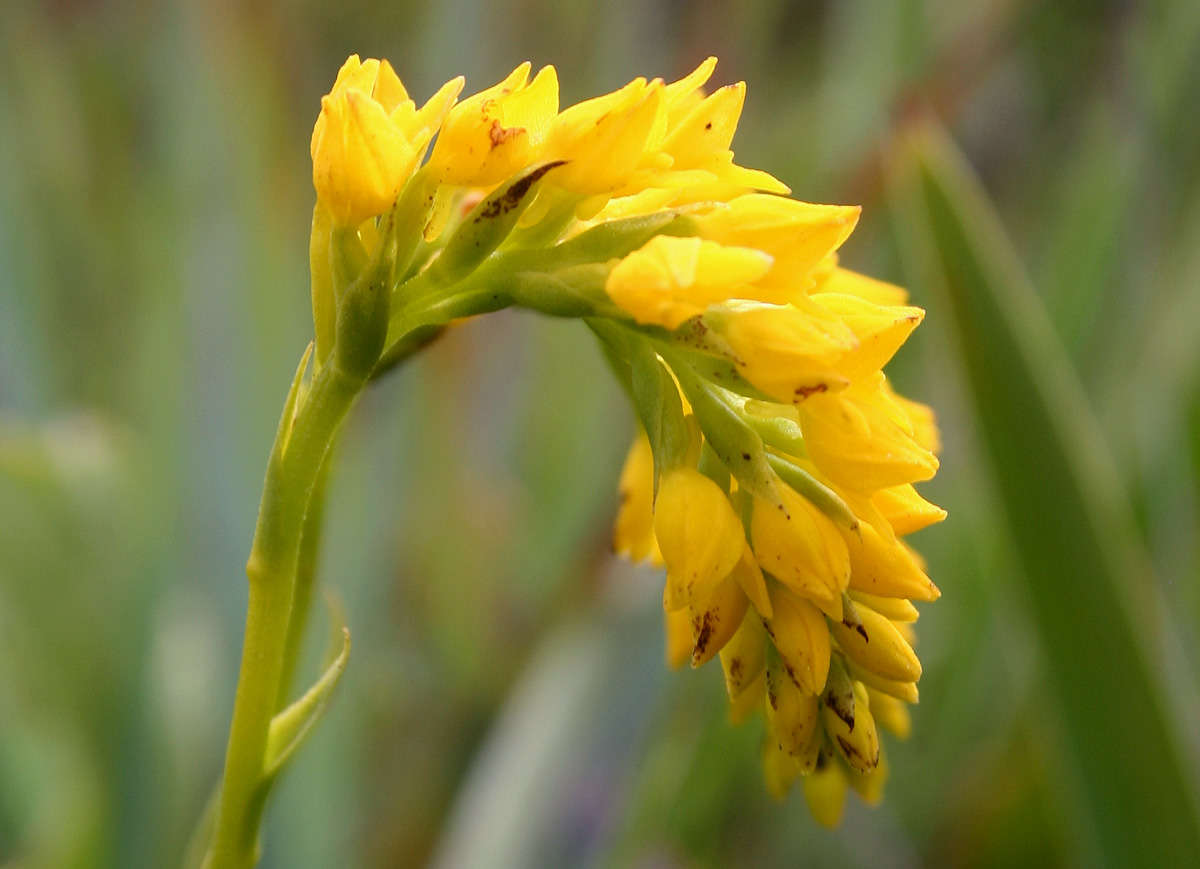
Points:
(290, 727)
(1084, 572)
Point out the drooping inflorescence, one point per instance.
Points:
(772, 473)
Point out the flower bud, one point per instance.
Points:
(670, 279)
(802, 548)
(368, 139)
(699, 533)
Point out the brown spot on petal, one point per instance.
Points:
(501, 134)
(803, 392)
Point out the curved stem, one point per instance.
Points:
(306, 569)
(291, 475)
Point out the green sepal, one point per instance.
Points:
(408, 220)
(733, 440)
(614, 239)
(576, 292)
(362, 321)
(817, 493)
(712, 467)
(291, 726)
(486, 227)
(721, 371)
(655, 396)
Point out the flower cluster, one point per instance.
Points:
(773, 471)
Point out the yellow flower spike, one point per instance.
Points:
(743, 658)
(633, 531)
(802, 548)
(715, 620)
(699, 534)
(847, 283)
(862, 439)
(792, 714)
(799, 235)
(895, 608)
(869, 786)
(905, 509)
(825, 793)
(749, 576)
(880, 330)
(495, 133)
(801, 637)
(786, 352)
(671, 279)
(890, 713)
(877, 645)
(886, 568)
(679, 643)
(606, 138)
(854, 734)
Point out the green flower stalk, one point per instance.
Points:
(773, 467)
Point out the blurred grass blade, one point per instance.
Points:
(1085, 575)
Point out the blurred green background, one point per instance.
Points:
(506, 701)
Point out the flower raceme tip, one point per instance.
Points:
(772, 473)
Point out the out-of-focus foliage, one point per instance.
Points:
(507, 696)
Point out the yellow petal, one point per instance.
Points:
(905, 509)
(743, 658)
(799, 235)
(678, 637)
(862, 439)
(633, 532)
(876, 645)
(886, 568)
(671, 279)
(801, 636)
(699, 534)
(715, 620)
(801, 547)
(848, 283)
(825, 792)
(786, 352)
(880, 330)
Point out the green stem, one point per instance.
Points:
(271, 570)
(306, 569)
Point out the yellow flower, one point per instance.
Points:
(879, 330)
(498, 131)
(368, 139)
(864, 440)
(787, 351)
(605, 139)
(797, 235)
(699, 534)
(802, 548)
(633, 533)
(670, 279)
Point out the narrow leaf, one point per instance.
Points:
(1084, 572)
(290, 727)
